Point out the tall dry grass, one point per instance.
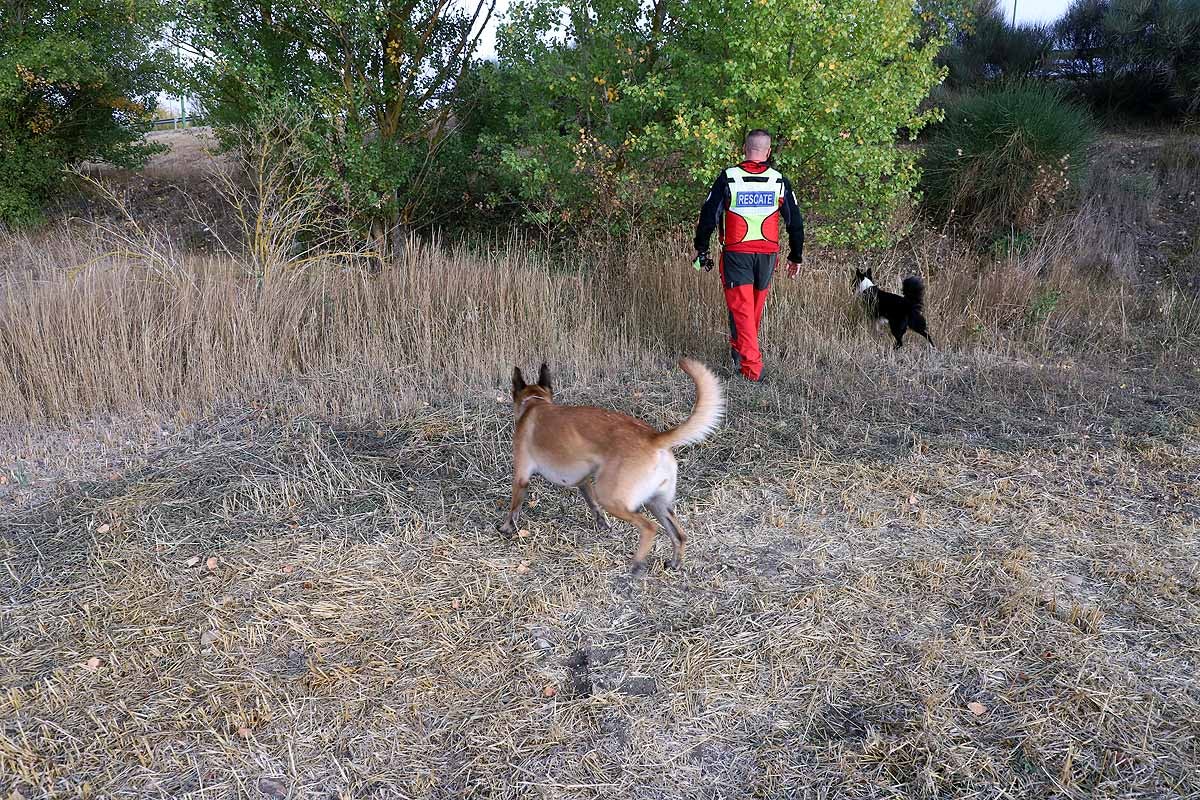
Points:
(117, 314)
(120, 331)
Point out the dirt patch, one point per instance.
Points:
(191, 153)
(1159, 177)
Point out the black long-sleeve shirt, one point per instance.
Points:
(719, 199)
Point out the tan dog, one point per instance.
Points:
(619, 463)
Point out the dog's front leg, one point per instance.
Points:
(523, 469)
(519, 485)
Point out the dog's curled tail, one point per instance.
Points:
(706, 413)
(913, 289)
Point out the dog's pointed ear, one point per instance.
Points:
(518, 381)
(544, 378)
(868, 274)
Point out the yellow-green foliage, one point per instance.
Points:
(632, 109)
(77, 80)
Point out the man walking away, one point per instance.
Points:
(746, 202)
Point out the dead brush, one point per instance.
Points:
(1178, 166)
(282, 202)
(118, 318)
(128, 240)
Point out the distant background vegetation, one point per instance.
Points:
(1130, 61)
(1023, 103)
(595, 119)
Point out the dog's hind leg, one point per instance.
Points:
(589, 497)
(920, 327)
(665, 514)
(647, 530)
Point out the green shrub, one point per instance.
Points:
(1042, 306)
(374, 79)
(1006, 157)
(1010, 244)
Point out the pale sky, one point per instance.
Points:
(1035, 10)
(1038, 11)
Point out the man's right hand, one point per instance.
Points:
(705, 260)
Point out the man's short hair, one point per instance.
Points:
(758, 139)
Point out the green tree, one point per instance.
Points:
(1136, 58)
(1082, 34)
(990, 49)
(626, 111)
(1156, 50)
(375, 76)
(77, 83)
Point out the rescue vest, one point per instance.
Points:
(754, 202)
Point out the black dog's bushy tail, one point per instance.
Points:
(913, 289)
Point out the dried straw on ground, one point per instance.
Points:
(895, 596)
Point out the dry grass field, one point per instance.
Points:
(247, 541)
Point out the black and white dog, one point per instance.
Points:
(900, 311)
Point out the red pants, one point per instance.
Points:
(746, 278)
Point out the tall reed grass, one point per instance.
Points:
(122, 332)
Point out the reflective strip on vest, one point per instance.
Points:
(754, 199)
